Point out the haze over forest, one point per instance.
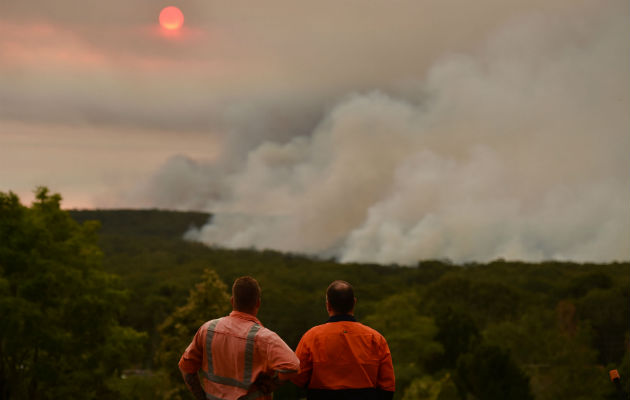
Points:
(385, 132)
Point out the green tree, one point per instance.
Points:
(408, 334)
(208, 300)
(607, 312)
(427, 388)
(59, 335)
(457, 333)
(582, 284)
(553, 348)
(489, 373)
(485, 302)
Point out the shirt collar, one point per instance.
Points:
(341, 317)
(245, 316)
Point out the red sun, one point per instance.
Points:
(171, 18)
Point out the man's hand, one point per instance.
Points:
(192, 381)
(263, 385)
(267, 383)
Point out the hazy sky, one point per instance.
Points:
(385, 131)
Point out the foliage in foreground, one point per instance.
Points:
(559, 325)
(479, 331)
(59, 332)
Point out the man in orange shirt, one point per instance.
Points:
(343, 359)
(239, 358)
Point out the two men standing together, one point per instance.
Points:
(240, 359)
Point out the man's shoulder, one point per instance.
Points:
(262, 334)
(341, 325)
(355, 326)
(213, 321)
(317, 329)
(365, 327)
(368, 329)
(267, 335)
(205, 325)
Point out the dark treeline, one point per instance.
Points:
(505, 329)
(561, 325)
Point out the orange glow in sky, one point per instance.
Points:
(171, 18)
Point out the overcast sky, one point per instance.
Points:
(384, 131)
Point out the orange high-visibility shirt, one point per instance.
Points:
(232, 351)
(344, 354)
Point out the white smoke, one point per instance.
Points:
(518, 151)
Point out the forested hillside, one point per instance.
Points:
(479, 331)
(453, 329)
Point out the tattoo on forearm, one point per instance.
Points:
(192, 381)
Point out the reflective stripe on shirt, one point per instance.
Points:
(230, 369)
(249, 359)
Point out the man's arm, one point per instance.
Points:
(386, 378)
(280, 358)
(303, 353)
(266, 384)
(192, 381)
(190, 363)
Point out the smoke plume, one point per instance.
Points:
(517, 151)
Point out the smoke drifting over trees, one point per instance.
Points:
(516, 151)
(386, 132)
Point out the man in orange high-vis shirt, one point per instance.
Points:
(239, 358)
(343, 359)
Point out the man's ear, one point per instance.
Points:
(232, 301)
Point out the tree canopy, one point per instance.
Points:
(76, 304)
(60, 336)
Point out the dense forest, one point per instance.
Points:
(100, 304)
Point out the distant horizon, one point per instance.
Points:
(319, 257)
(463, 130)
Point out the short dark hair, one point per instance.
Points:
(340, 297)
(246, 293)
